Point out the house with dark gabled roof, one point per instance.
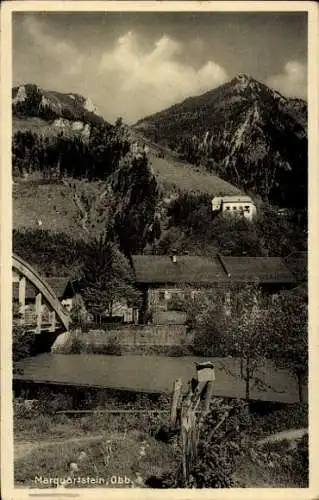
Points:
(65, 289)
(270, 272)
(162, 278)
(62, 287)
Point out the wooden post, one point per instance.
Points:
(206, 373)
(22, 289)
(177, 391)
(38, 302)
(190, 429)
(208, 397)
(190, 424)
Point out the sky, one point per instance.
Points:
(134, 64)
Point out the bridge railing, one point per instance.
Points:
(47, 309)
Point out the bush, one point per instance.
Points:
(283, 462)
(77, 346)
(300, 465)
(218, 455)
(22, 343)
(292, 416)
(179, 351)
(112, 347)
(60, 401)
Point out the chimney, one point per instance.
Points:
(174, 256)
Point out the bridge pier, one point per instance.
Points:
(22, 290)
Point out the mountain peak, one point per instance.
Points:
(244, 81)
(240, 131)
(243, 77)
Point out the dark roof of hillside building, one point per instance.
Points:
(262, 269)
(186, 269)
(200, 270)
(59, 286)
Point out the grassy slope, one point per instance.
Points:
(124, 459)
(32, 201)
(186, 177)
(41, 127)
(36, 455)
(182, 176)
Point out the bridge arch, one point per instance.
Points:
(27, 272)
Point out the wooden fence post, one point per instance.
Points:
(177, 391)
(208, 397)
(190, 424)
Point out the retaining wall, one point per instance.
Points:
(159, 335)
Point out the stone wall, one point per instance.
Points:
(139, 335)
(126, 338)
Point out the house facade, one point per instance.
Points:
(165, 281)
(242, 206)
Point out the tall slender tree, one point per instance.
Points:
(288, 339)
(107, 278)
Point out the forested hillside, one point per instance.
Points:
(245, 132)
(87, 185)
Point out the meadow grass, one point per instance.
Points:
(188, 178)
(101, 445)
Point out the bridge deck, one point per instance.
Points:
(151, 374)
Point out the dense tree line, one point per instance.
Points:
(270, 176)
(135, 221)
(193, 228)
(52, 254)
(71, 156)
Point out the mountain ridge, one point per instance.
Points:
(39, 109)
(249, 134)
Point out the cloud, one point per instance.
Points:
(156, 78)
(292, 82)
(51, 49)
(123, 78)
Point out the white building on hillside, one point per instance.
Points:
(235, 205)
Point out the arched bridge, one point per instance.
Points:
(47, 312)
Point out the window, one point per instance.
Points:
(247, 208)
(234, 208)
(227, 208)
(161, 296)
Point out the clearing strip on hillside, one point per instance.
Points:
(181, 175)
